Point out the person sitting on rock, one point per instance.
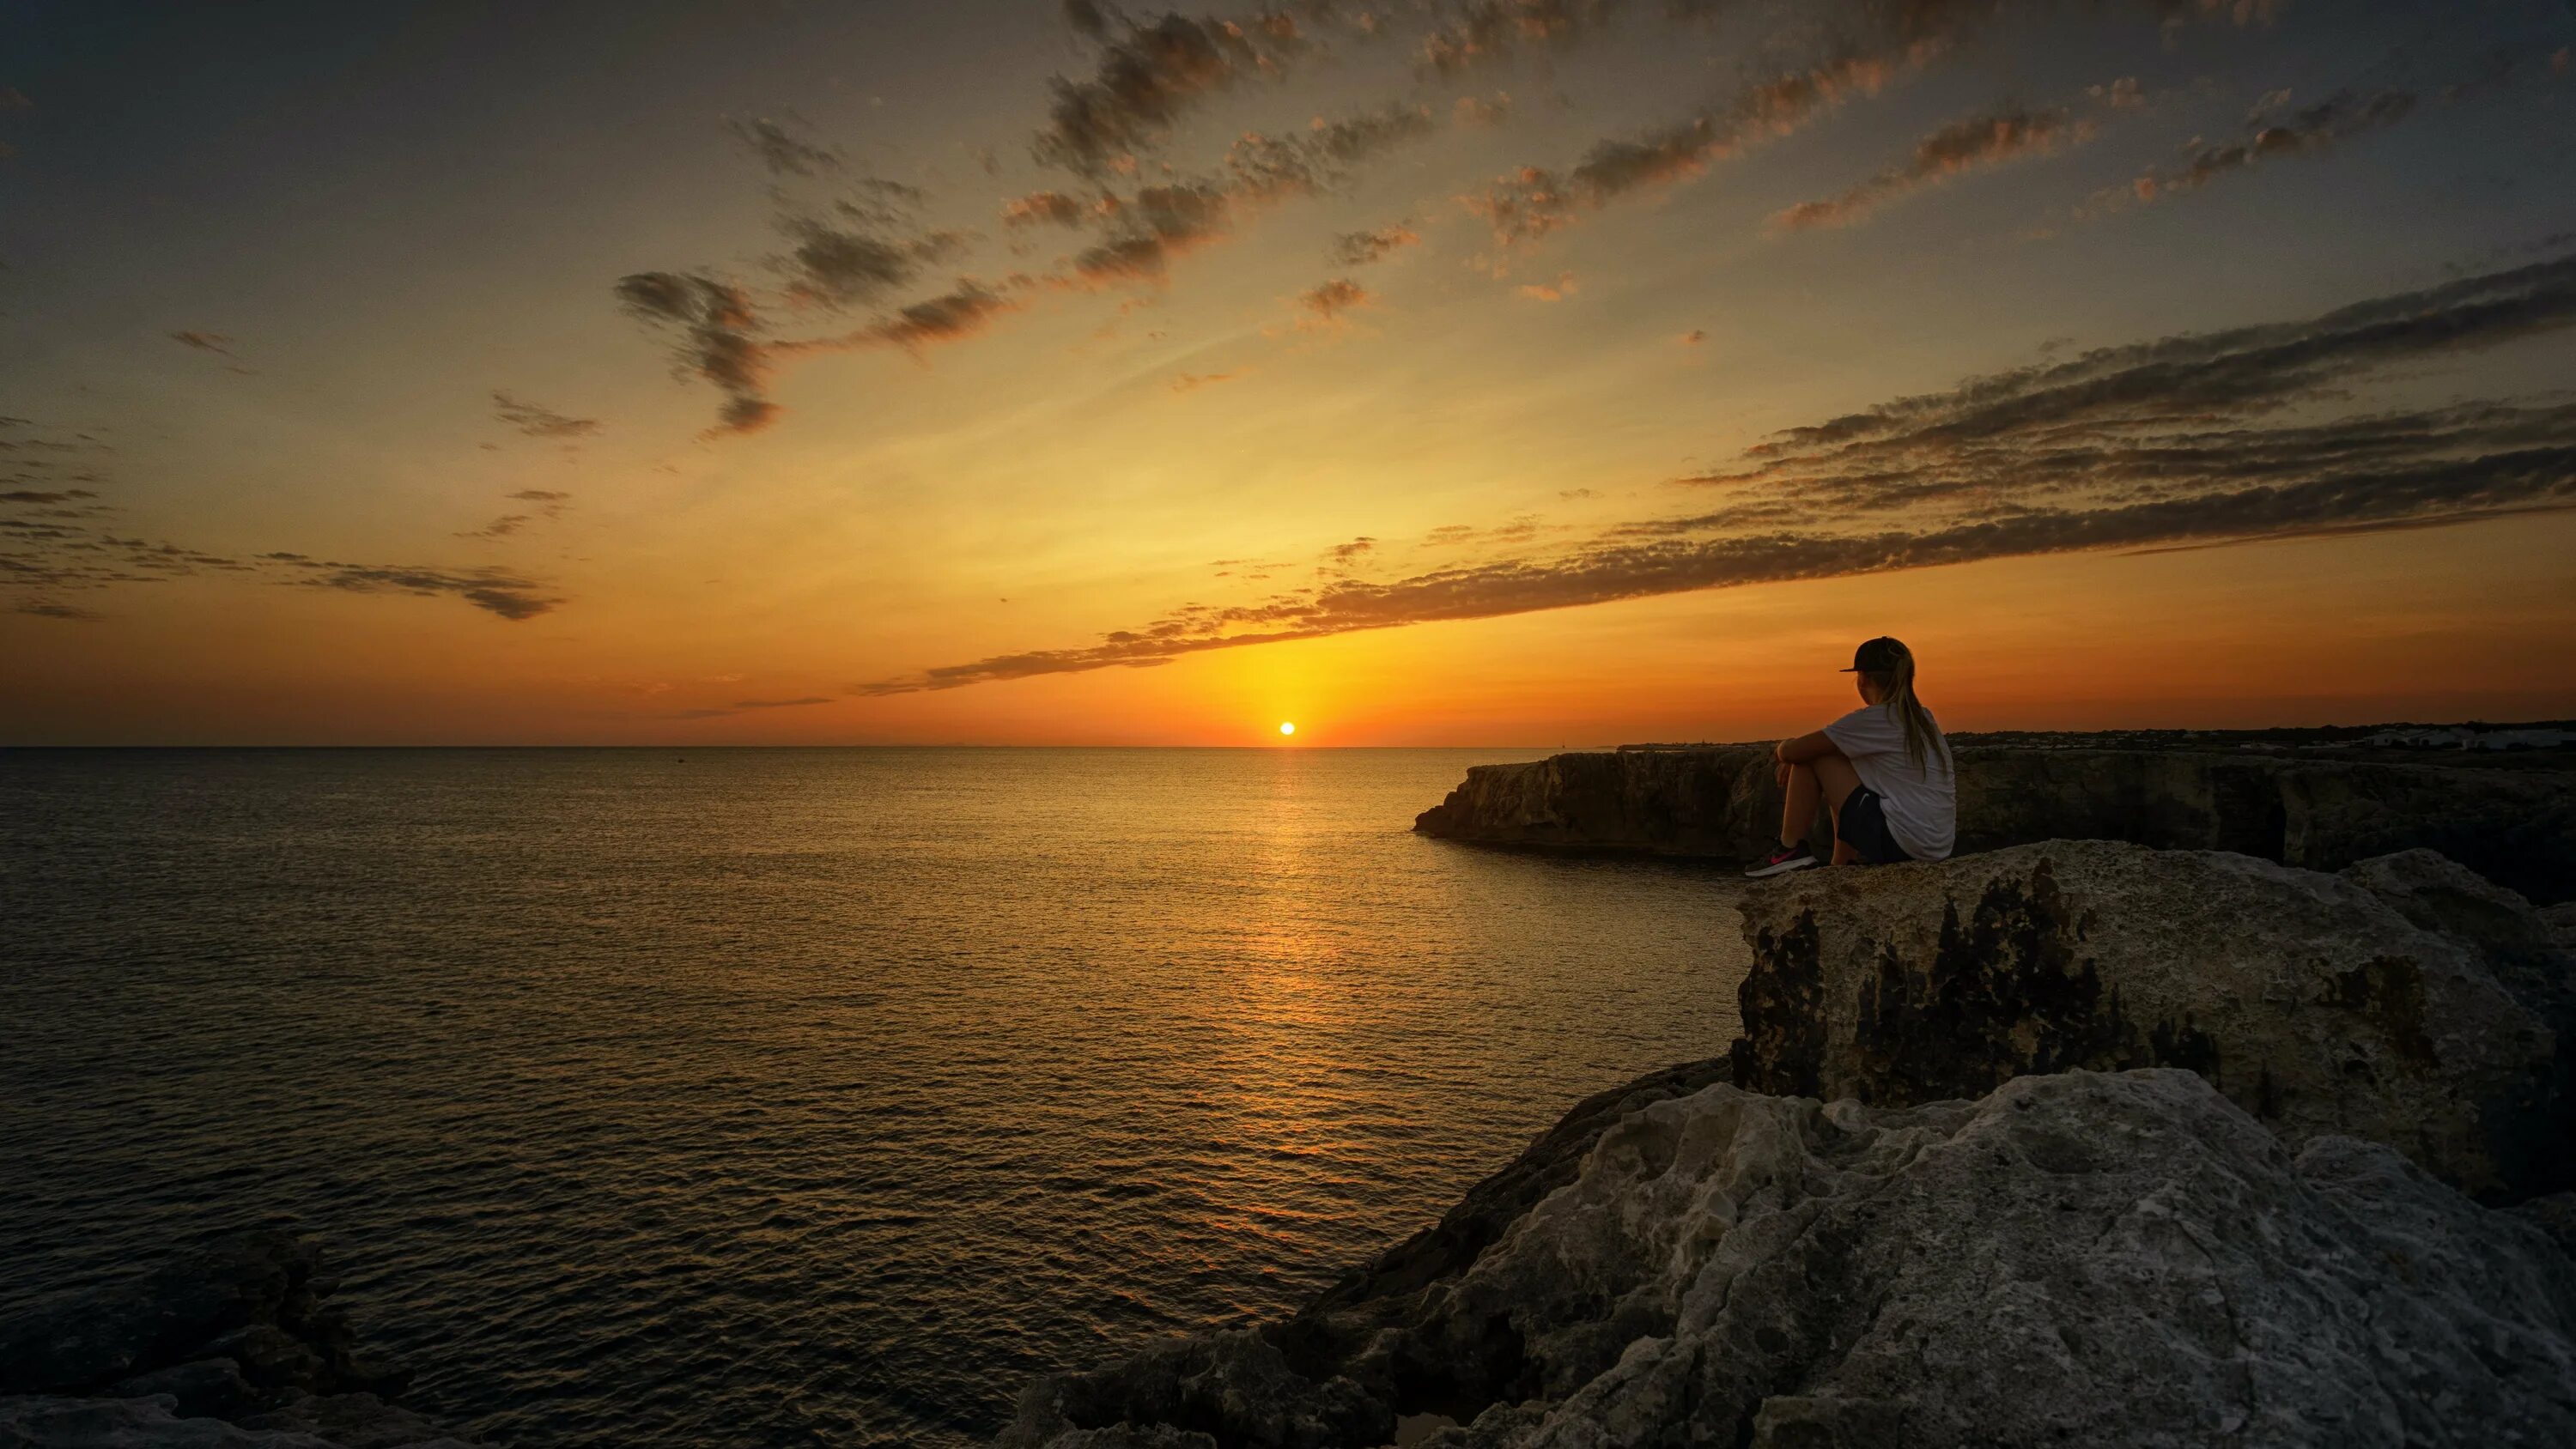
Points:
(1884, 769)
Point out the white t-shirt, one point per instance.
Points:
(1922, 802)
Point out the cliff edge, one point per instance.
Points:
(2516, 827)
(2406, 1000)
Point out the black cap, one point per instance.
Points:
(1876, 656)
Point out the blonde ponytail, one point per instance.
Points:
(1923, 738)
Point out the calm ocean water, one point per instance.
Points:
(785, 1097)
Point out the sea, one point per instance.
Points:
(776, 1097)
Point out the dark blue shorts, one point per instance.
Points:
(1863, 826)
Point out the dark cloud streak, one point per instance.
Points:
(1359, 248)
(2308, 131)
(492, 590)
(537, 421)
(1147, 77)
(2176, 442)
(1495, 32)
(714, 329)
(1964, 145)
(739, 706)
(782, 153)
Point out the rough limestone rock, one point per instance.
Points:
(2561, 920)
(255, 1297)
(2310, 1000)
(1721, 801)
(2554, 1215)
(2517, 827)
(229, 1344)
(1550, 1162)
(2112, 1260)
(2528, 954)
(208, 1388)
(2517, 942)
(39, 1422)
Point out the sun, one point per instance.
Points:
(1287, 728)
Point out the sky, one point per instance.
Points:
(1425, 372)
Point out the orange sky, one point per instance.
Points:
(366, 388)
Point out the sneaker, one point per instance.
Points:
(1787, 859)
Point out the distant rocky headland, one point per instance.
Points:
(2500, 800)
(2212, 1100)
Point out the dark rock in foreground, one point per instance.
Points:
(2108, 1260)
(2516, 827)
(2407, 1001)
(231, 1344)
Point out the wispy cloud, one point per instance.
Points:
(866, 250)
(1046, 208)
(1328, 306)
(1963, 145)
(1150, 229)
(714, 333)
(1147, 76)
(55, 609)
(547, 505)
(2307, 131)
(1864, 46)
(495, 591)
(781, 151)
(1267, 167)
(1532, 202)
(1147, 231)
(216, 343)
(47, 549)
(963, 311)
(1490, 32)
(1128, 214)
(2277, 131)
(741, 706)
(537, 421)
(847, 259)
(2179, 440)
(1359, 248)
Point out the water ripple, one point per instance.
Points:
(782, 1097)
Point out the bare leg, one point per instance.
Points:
(1798, 812)
(1835, 781)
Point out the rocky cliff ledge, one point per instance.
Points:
(2076, 1259)
(229, 1346)
(2238, 1233)
(2406, 1000)
(2516, 827)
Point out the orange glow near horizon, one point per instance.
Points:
(890, 423)
(2350, 631)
